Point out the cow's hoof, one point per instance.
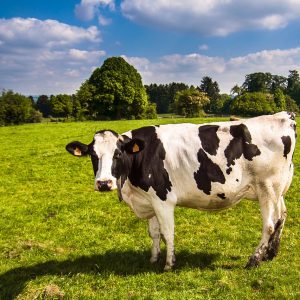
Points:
(154, 259)
(253, 262)
(168, 268)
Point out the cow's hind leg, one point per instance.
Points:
(270, 206)
(274, 240)
(154, 233)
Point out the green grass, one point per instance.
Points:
(59, 238)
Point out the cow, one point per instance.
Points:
(207, 167)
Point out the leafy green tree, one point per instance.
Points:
(61, 105)
(278, 82)
(291, 104)
(16, 109)
(237, 90)
(293, 86)
(118, 91)
(279, 99)
(258, 82)
(85, 96)
(190, 102)
(163, 94)
(211, 88)
(43, 105)
(223, 104)
(252, 104)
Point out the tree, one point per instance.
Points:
(211, 88)
(16, 109)
(279, 99)
(117, 91)
(237, 90)
(61, 105)
(85, 96)
(190, 102)
(252, 104)
(258, 82)
(293, 86)
(163, 94)
(43, 105)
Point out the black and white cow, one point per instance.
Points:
(207, 167)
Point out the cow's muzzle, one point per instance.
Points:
(105, 185)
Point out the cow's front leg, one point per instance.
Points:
(164, 211)
(154, 233)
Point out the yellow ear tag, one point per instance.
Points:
(77, 152)
(135, 148)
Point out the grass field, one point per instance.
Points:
(60, 239)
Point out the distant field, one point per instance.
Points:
(59, 238)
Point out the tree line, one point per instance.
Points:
(115, 91)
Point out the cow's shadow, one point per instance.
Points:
(112, 262)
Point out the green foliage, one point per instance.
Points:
(61, 105)
(85, 96)
(211, 88)
(293, 86)
(258, 82)
(252, 104)
(58, 234)
(190, 102)
(43, 105)
(16, 109)
(279, 99)
(117, 91)
(163, 95)
(291, 104)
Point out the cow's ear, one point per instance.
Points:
(78, 149)
(134, 146)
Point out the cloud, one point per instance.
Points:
(46, 57)
(212, 17)
(86, 10)
(192, 68)
(203, 47)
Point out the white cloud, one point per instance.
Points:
(191, 68)
(212, 17)
(203, 47)
(43, 57)
(86, 10)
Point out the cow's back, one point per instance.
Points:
(211, 166)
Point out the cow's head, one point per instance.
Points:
(101, 151)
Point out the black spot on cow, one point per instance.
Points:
(146, 168)
(294, 126)
(240, 145)
(221, 196)
(209, 138)
(237, 180)
(228, 171)
(287, 142)
(208, 172)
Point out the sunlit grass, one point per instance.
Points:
(59, 238)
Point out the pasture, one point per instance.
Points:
(61, 239)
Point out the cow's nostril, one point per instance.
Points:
(104, 185)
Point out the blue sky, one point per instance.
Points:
(52, 46)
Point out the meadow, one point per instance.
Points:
(61, 239)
